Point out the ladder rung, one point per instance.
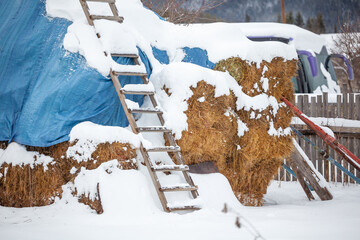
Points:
(105, 1)
(184, 208)
(112, 18)
(165, 168)
(153, 129)
(164, 149)
(130, 74)
(128, 55)
(178, 188)
(145, 110)
(137, 92)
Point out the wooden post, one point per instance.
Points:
(283, 11)
(300, 178)
(310, 176)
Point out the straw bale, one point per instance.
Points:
(250, 161)
(23, 186)
(26, 186)
(211, 135)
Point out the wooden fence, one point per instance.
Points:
(345, 106)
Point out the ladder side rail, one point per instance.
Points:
(154, 178)
(122, 98)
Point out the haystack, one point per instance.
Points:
(26, 186)
(252, 160)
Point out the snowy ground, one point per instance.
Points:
(287, 214)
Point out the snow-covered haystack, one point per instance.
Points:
(34, 176)
(262, 148)
(235, 119)
(28, 178)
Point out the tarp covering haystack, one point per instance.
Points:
(220, 93)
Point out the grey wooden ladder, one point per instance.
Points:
(145, 89)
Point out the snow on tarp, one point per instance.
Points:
(45, 90)
(47, 86)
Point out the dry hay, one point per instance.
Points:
(23, 186)
(3, 144)
(212, 136)
(26, 186)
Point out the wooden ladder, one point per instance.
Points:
(146, 89)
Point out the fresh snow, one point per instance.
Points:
(88, 135)
(330, 122)
(131, 212)
(227, 40)
(17, 155)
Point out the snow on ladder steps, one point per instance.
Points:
(171, 168)
(131, 104)
(128, 68)
(139, 87)
(197, 202)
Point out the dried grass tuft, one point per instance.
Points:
(23, 186)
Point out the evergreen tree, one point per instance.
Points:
(309, 24)
(247, 18)
(279, 18)
(335, 28)
(299, 21)
(290, 18)
(320, 25)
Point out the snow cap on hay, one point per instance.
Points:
(26, 185)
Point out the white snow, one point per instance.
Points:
(88, 135)
(221, 40)
(287, 214)
(17, 155)
(179, 77)
(320, 178)
(330, 122)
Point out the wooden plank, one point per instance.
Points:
(85, 8)
(111, 18)
(153, 129)
(140, 74)
(129, 116)
(154, 179)
(178, 188)
(338, 106)
(309, 175)
(325, 104)
(345, 106)
(300, 178)
(313, 111)
(306, 105)
(319, 102)
(357, 107)
(137, 92)
(351, 106)
(164, 149)
(113, 8)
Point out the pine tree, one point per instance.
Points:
(335, 28)
(320, 25)
(247, 18)
(290, 18)
(279, 18)
(299, 21)
(309, 24)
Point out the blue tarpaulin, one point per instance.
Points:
(44, 90)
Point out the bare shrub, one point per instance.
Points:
(183, 11)
(348, 43)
